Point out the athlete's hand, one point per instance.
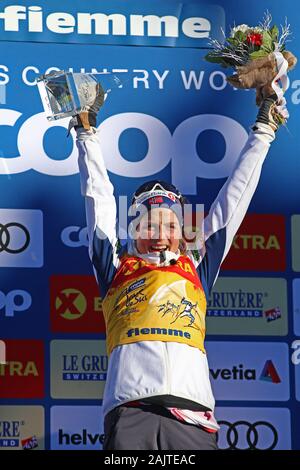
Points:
(272, 112)
(87, 119)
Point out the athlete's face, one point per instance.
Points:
(158, 230)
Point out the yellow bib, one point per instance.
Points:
(150, 303)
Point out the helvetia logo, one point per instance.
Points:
(235, 373)
(239, 372)
(84, 437)
(269, 373)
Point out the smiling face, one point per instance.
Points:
(158, 230)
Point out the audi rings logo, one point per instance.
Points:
(14, 237)
(242, 435)
(21, 238)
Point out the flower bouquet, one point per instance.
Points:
(258, 56)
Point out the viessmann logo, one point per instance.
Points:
(75, 305)
(114, 21)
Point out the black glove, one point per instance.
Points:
(268, 113)
(87, 119)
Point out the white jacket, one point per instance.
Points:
(151, 368)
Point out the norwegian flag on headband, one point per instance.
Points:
(155, 200)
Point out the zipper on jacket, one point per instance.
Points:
(167, 365)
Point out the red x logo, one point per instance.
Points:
(67, 302)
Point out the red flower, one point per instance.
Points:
(255, 39)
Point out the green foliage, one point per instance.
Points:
(215, 59)
(240, 37)
(267, 41)
(247, 43)
(258, 54)
(274, 32)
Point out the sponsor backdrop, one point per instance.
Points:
(51, 324)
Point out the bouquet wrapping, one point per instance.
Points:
(260, 60)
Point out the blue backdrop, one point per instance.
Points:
(176, 119)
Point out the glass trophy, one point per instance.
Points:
(66, 94)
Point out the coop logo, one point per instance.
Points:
(157, 26)
(75, 304)
(86, 367)
(21, 238)
(22, 375)
(75, 237)
(259, 245)
(14, 301)
(268, 373)
(32, 153)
